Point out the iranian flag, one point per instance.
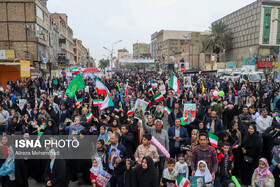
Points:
(213, 140)
(89, 116)
(182, 181)
(184, 120)
(79, 102)
(127, 87)
(75, 70)
(100, 87)
(158, 97)
(57, 94)
(174, 83)
(154, 85)
(36, 102)
(117, 110)
(41, 104)
(167, 110)
(130, 112)
(216, 88)
(97, 102)
(149, 90)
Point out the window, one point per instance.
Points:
(39, 13)
(182, 42)
(173, 42)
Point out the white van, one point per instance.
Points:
(250, 77)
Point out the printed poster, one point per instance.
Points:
(197, 181)
(22, 103)
(103, 178)
(189, 112)
(140, 108)
(187, 82)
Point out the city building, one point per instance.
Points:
(256, 33)
(153, 45)
(189, 54)
(141, 50)
(123, 53)
(66, 53)
(25, 34)
(81, 54)
(169, 42)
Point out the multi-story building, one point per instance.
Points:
(153, 45)
(141, 50)
(24, 29)
(65, 39)
(256, 32)
(169, 42)
(123, 53)
(189, 54)
(81, 53)
(53, 46)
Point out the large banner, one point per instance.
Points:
(189, 112)
(25, 68)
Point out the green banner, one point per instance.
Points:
(76, 84)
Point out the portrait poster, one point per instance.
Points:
(103, 177)
(140, 108)
(187, 82)
(197, 181)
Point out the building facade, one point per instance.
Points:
(170, 42)
(81, 53)
(153, 45)
(141, 50)
(256, 32)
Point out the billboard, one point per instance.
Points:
(7, 54)
(249, 62)
(25, 68)
(143, 48)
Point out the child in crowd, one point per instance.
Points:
(94, 171)
(202, 170)
(275, 155)
(101, 152)
(225, 158)
(182, 167)
(262, 177)
(169, 174)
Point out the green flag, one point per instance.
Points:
(76, 84)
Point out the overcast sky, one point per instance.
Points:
(100, 23)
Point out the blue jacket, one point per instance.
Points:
(218, 125)
(171, 134)
(232, 98)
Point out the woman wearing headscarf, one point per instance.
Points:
(235, 139)
(104, 135)
(51, 128)
(123, 117)
(7, 171)
(56, 174)
(15, 106)
(52, 113)
(143, 175)
(193, 141)
(251, 149)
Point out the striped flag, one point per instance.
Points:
(158, 97)
(167, 110)
(181, 181)
(41, 104)
(130, 112)
(174, 83)
(184, 120)
(154, 85)
(36, 102)
(127, 87)
(100, 87)
(117, 110)
(97, 102)
(213, 140)
(79, 102)
(149, 90)
(216, 88)
(75, 70)
(89, 116)
(57, 94)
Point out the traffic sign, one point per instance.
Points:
(63, 73)
(183, 68)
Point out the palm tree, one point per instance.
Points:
(220, 38)
(103, 63)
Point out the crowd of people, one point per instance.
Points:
(246, 120)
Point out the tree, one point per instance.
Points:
(103, 63)
(219, 40)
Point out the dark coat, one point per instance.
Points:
(171, 134)
(59, 174)
(172, 117)
(127, 140)
(218, 125)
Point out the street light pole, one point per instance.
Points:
(111, 53)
